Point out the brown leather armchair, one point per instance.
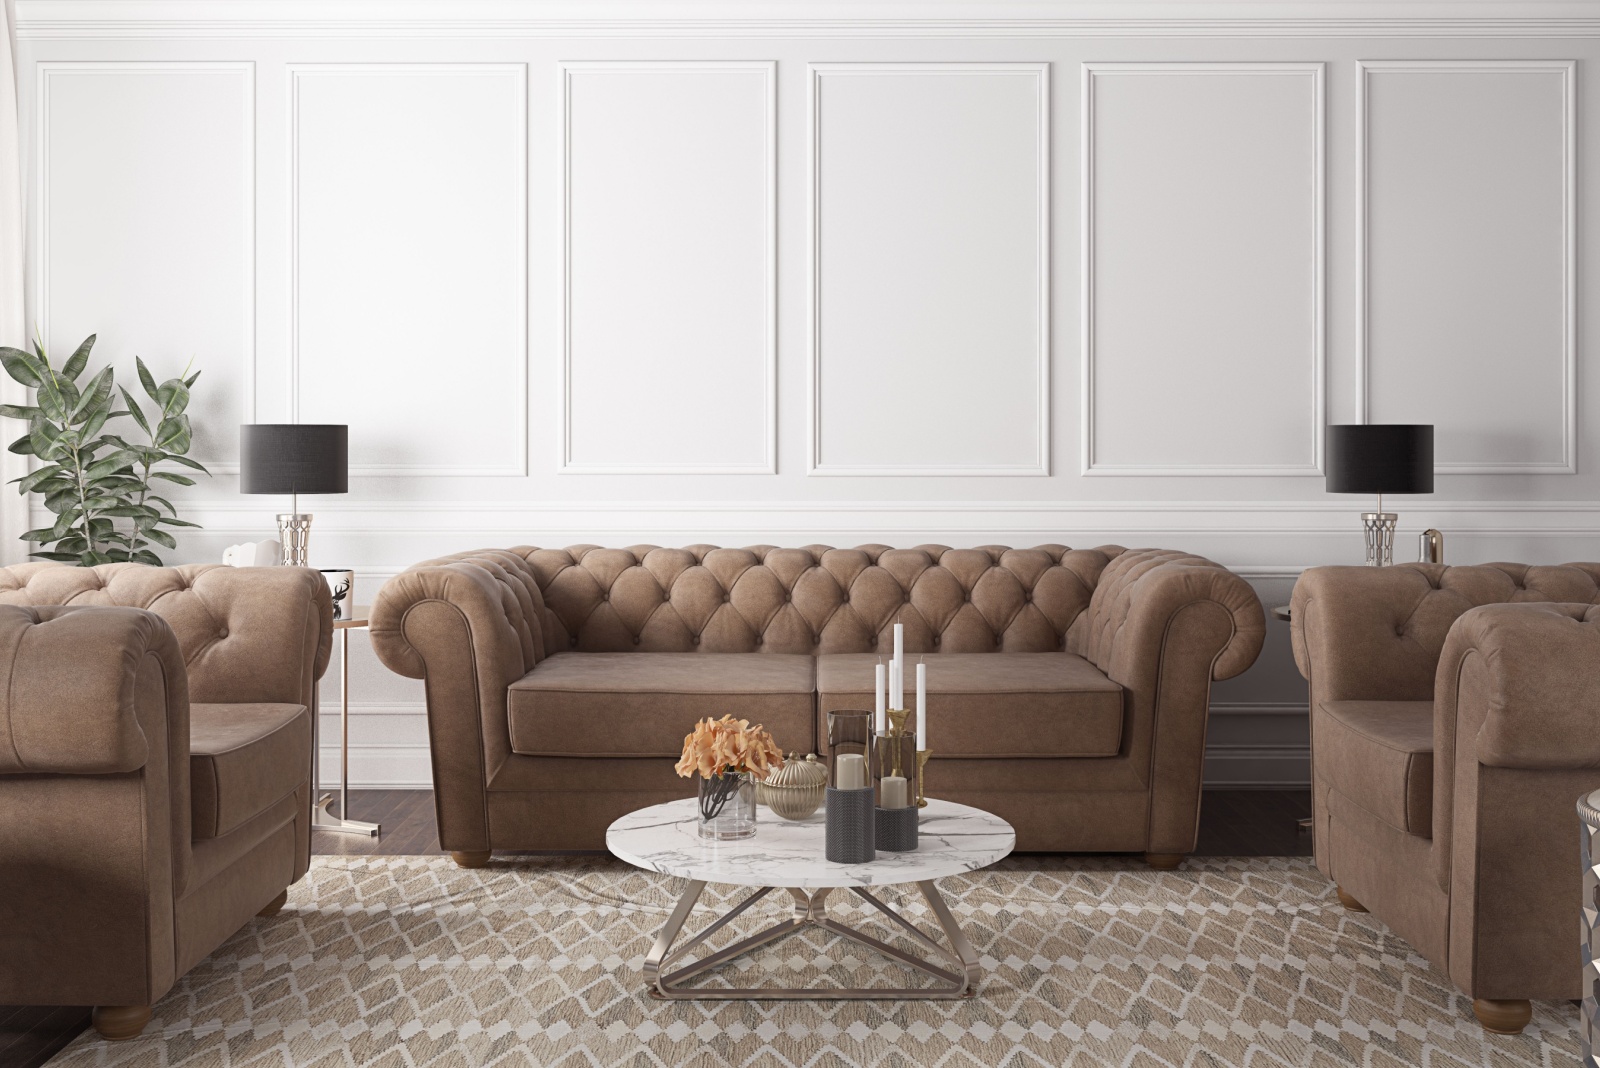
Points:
(155, 771)
(1455, 718)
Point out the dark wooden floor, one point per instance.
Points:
(1233, 823)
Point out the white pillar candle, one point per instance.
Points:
(895, 794)
(850, 772)
(922, 706)
(880, 724)
(898, 681)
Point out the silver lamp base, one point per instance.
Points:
(294, 531)
(1379, 527)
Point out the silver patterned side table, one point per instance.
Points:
(1589, 813)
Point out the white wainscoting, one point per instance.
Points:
(408, 204)
(1202, 269)
(930, 269)
(1469, 262)
(610, 273)
(176, 278)
(669, 223)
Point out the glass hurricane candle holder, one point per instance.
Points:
(728, 807)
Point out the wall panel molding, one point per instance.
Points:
(1039, 464)
(50, 70)
(1089, 400)
(768, 350)
(1018, 19)
(1567, 70)
(516, 463)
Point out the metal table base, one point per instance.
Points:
(955, 965)
(321, 818)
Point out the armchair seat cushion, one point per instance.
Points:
(1379, 755)
(243, 759)
(994, 705)
(643, 704)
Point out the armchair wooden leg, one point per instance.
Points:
(119, 1023)
(1350, 903)
(1164, 861)
(274, 905)
(471, 858)
(1503, 1017)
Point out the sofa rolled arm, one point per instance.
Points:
(1163, 625)
(468, 627)
(72, 687)
(1143, 591)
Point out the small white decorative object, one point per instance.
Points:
(253, 554)
(341, 584)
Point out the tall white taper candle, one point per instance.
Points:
(881, 723)
(898, 681)
(922, 706)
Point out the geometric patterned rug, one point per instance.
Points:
(397, 962)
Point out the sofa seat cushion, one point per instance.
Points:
(644, 704)
(988, 705)
(1379, 755)
(243, 759)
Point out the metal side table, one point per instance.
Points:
(321, 818)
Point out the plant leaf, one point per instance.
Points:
(161, 537)
(21, 366)
(23, 446)
(67, 558)
(146, 379)
(78, 360)
(18, 411)
(185, 461)
(172, 522)
(173, 476)
(95, 394)
(133, 409)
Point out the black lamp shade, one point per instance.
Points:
(1380, 458)
(294, 458)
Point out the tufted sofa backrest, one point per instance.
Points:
(1376, 633)
(246, 634)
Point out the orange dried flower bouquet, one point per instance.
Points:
(719, 746)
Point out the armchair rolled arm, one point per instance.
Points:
(74, 679)
(1530, 673)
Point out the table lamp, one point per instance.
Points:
(1380, 458)
(294, 458)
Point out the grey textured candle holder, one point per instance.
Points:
(848, 834)
(896, 830)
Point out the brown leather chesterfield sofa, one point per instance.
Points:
(1455, 720)
(1068, 688)
(155, 771)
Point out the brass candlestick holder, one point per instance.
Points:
(897, 754)
(922, 762)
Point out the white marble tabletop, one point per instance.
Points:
(666, 838)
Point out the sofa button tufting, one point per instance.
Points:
(759, 639)
(636, 639)
(695, 640)
(936, 639)
(573, 641)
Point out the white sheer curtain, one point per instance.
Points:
(13, 313)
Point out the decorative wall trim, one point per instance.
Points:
(245, 69)
(814, 464)
(516, 466)
(43, 19)
(1087, 273)
(1568, 465)
(768, 465)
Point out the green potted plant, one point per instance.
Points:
(99, 485)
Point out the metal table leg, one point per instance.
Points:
(955, 966)
(321, 818)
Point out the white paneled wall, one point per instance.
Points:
(1028, 272)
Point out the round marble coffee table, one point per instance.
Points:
(789, 856)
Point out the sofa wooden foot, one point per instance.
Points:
(1503, 1017)
(1164, 861)
(1350, 903)
(118, 1023)
(471, 858)
(274, 906)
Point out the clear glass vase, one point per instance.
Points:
(728, 807)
